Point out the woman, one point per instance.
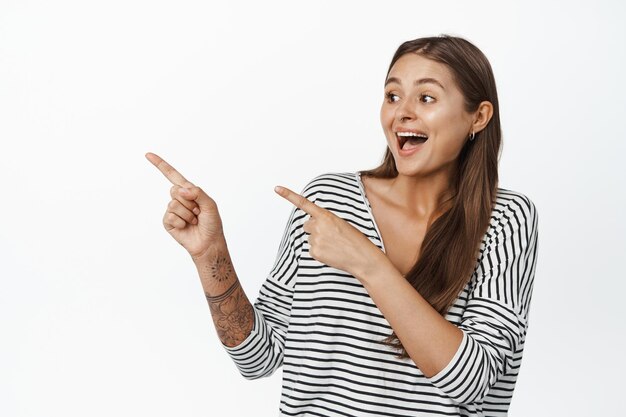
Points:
(398, 291)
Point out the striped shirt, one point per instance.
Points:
(322, 327)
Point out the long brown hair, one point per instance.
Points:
(449, 251)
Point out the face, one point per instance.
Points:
(422, 98)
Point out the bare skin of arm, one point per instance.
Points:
(193, 220)
(231, 310)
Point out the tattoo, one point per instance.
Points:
(232, 314)
(220, 298)
(221, 269)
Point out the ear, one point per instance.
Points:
(482, 116)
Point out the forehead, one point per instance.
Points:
(411, 66)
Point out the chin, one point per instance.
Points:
(409, 170)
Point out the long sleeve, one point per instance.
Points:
(261, 353)
(495, 321)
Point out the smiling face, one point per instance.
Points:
(422, 99)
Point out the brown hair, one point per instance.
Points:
(450, 248)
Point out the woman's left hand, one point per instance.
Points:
(332, 240)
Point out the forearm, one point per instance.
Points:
(429, 339)
(230, 308)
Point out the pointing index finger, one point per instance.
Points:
(170, 173)
(300, 201)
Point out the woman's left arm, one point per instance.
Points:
(465, 361)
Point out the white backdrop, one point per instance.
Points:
(102, 313)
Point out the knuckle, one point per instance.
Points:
(187, 215)
(175, 221)
(178, 201)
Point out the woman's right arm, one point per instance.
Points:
(193, 220)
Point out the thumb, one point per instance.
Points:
(199, 196)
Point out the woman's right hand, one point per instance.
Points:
(191, 217)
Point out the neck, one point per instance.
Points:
(422, 197)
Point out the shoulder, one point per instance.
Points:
(514, 216)
(331, 182)
(514, 204)
(338, 192)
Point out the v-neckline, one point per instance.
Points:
(369, 209)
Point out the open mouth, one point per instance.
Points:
(409, 140)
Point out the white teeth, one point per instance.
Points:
(411, 134)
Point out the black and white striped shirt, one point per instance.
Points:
(321, 325)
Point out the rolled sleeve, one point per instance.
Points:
(495, 320)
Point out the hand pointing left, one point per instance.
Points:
(332, 240)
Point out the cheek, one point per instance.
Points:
(386, 122)
(384, 117)
(450, 128)
(450, 125)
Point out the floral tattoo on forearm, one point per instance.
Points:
(232, 313)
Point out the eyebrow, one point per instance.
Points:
(417, 82)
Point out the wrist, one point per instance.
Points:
(207, 256)
(373, 266)
(215, 268)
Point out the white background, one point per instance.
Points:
(102, 313)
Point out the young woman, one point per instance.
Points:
(398, 291)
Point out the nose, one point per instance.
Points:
(405, 111)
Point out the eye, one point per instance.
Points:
(429, 98)
(391, 97)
